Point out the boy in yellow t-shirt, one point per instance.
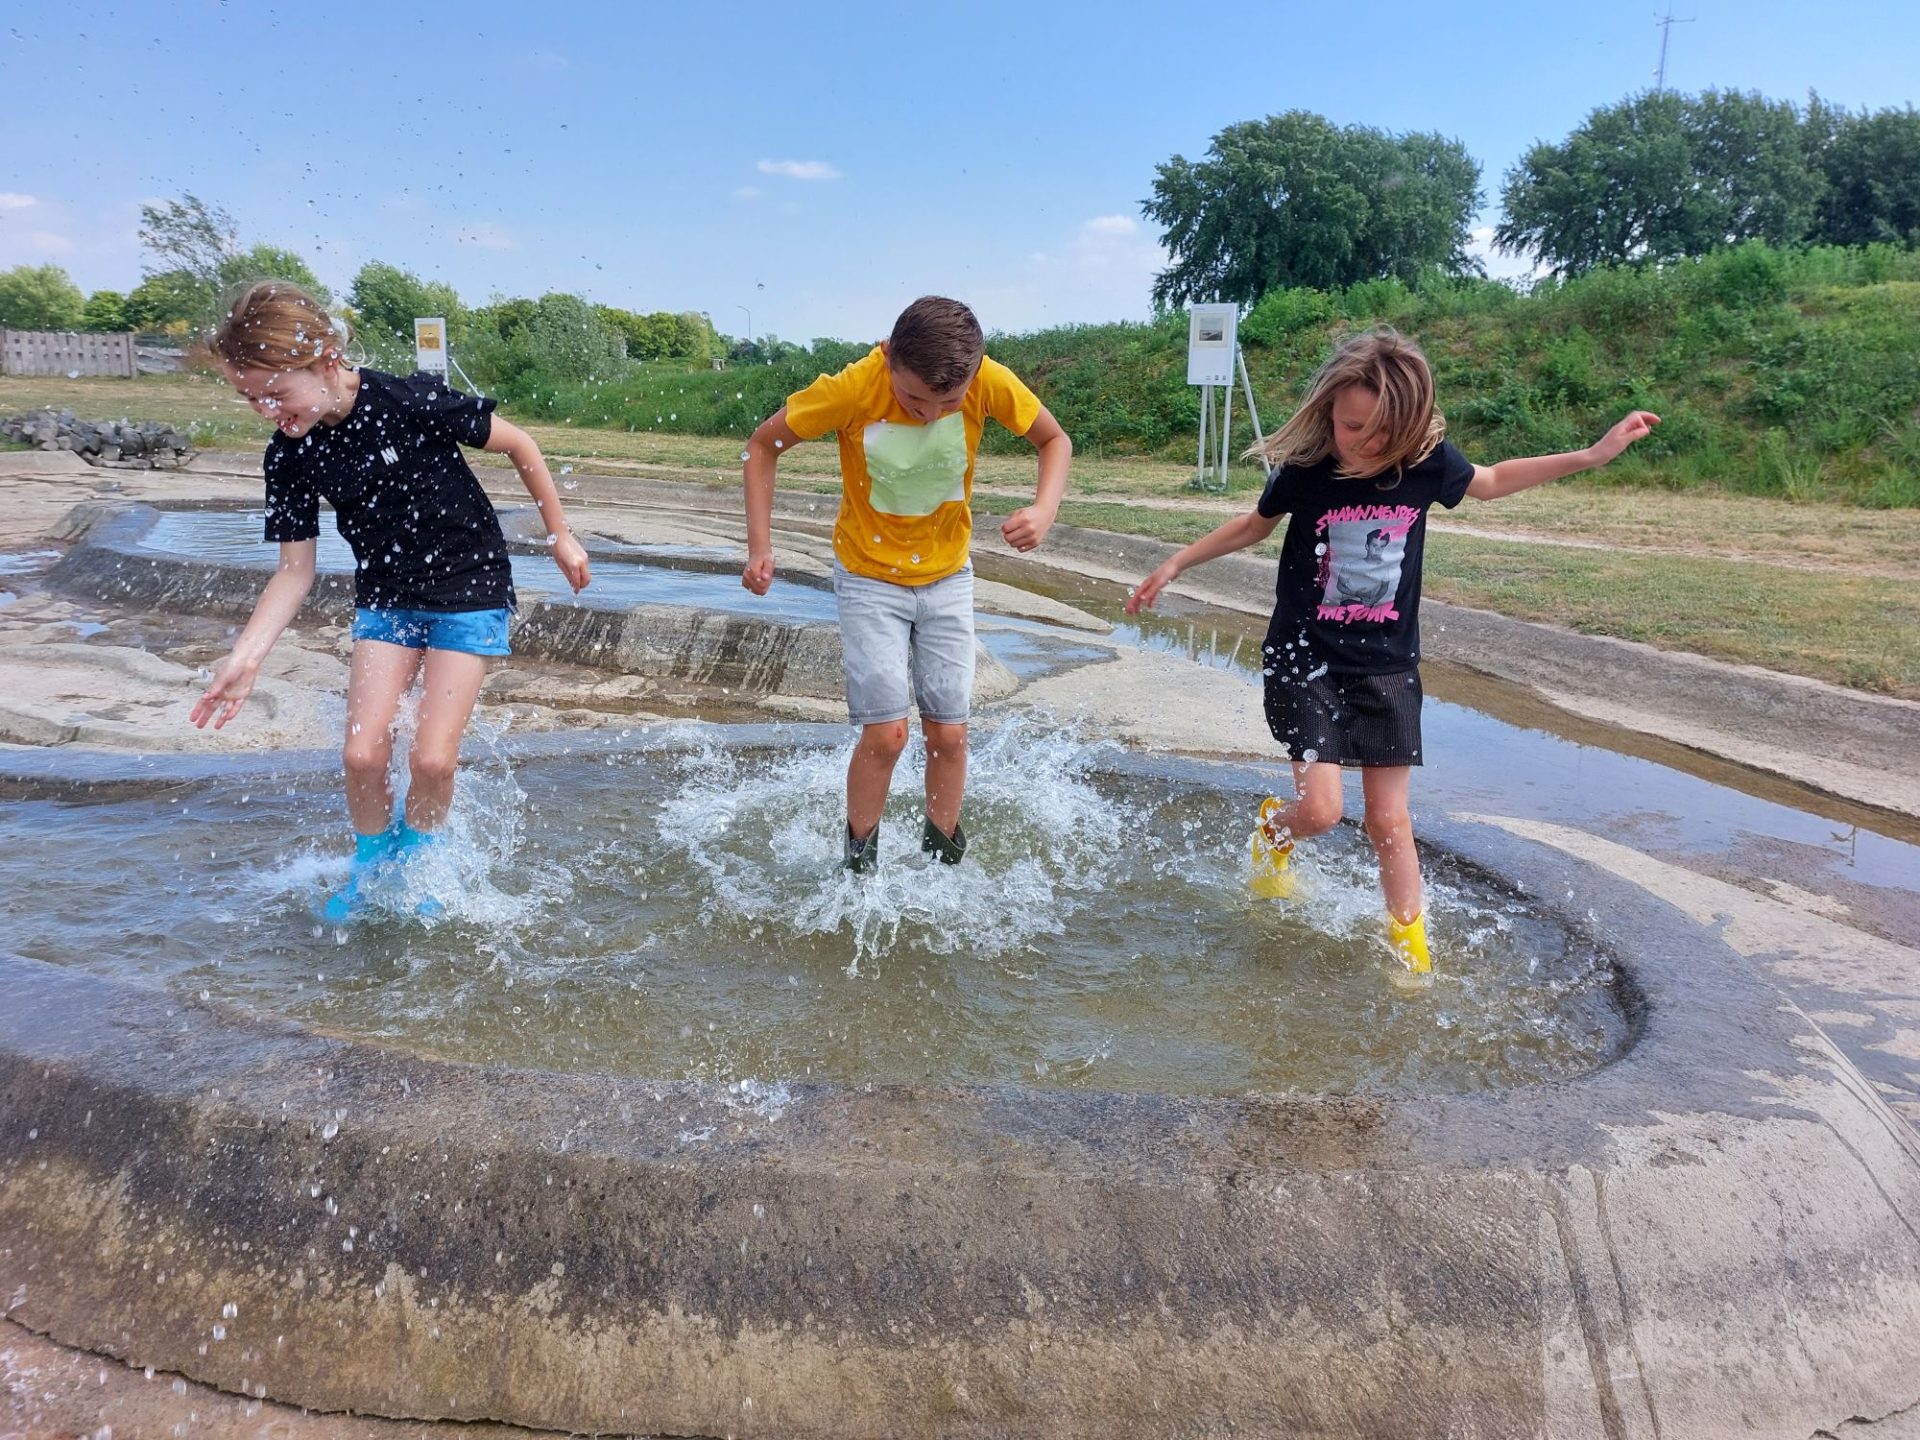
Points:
(909, 418)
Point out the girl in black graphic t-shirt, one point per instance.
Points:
(1357, 468)
(432, 582)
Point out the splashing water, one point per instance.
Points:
(680, 913)
(767, 837)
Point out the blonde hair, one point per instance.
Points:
(1389, 365)
(275, 325)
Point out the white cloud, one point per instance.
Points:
(12, 200)
(486, 235)
(1101, 270)
(47, 242)
(1511, 268)
(800, 169)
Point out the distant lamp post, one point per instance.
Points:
(749, 314)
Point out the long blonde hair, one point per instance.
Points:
(1389, 365)
(275, 325)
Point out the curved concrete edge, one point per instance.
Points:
(756, 655)
(1752, 716)
(1719, 1234)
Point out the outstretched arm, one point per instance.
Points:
(1028, 526)
(1237, 534)
(773, 437)
(233, 677)
(1509, 477)
(518, 446)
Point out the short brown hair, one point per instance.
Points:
(938, 340)
(1386, 363)
(275, 325)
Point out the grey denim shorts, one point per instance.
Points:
(901, 640)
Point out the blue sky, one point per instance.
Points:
(818, 166)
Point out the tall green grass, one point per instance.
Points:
(1791, 373)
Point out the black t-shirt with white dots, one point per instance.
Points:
(423, 533)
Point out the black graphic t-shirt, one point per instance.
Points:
(1349, 585)
(423, 532)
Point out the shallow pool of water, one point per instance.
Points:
(681, 914)
(229, 535)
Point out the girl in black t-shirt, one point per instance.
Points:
(1357, 468)
(432, 583)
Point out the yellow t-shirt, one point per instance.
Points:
(905, 488)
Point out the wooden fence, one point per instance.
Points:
(53, 352)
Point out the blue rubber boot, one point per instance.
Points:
(369, 853)
(406, 841)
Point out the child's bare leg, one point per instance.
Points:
(1316, 804)
(1390, 827)
(448, 689)
(946, 773)
(378, 676)
(870, 772)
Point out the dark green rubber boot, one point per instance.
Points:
(950, 848)
(862, 856)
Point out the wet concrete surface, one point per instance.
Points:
(1816, 892)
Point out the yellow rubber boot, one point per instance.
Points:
(1271, 854)
(1409, 942)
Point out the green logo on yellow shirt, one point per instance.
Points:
(915, 469)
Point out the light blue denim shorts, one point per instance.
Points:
(472, 632)
(906, 639)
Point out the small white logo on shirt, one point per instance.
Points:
(389, 454)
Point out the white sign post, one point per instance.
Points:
(430, 345)
(1213, 354)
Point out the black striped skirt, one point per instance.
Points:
(1346, 719)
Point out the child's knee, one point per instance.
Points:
(430, 765)
(1388, 826)
(367, 755)
(887, 739)
(1316, 814)
(945, 740)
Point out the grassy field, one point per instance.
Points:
(1823, 590)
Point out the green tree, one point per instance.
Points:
(386, 300)
(502, 316)
(1661, 175)
(190, 236)
(106, 310)
(39, 297)
(693, 338)
(1294, 200)
(569, 341)
(270, 262)
(1872, 171)
(169, 300)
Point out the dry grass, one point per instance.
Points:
(1818, 590)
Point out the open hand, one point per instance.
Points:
(1148, 590)
(232, 683)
